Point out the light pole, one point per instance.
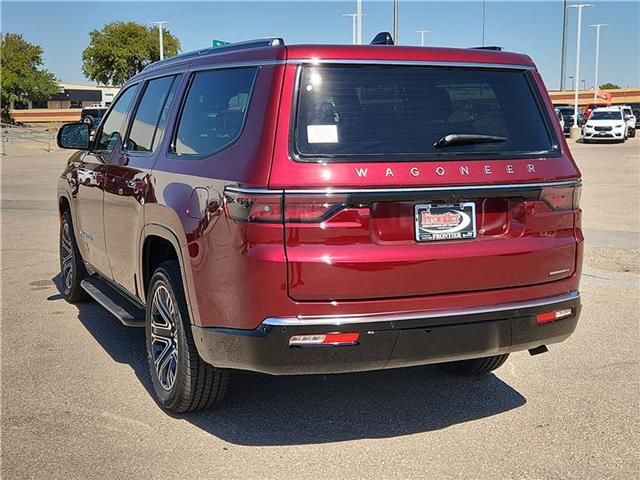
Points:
(160, 24)
(396, 32)
(576, 131)
(573, 85)
(421, 33)
(359, 21)
(597, 26)
(563, 55)
(484, 8)
(584, 84)
(354, 26)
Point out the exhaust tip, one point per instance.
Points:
(538, 350)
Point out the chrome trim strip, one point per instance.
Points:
(344, 61)
(331, 190)
(336, 320)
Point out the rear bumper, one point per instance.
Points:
(388, 340)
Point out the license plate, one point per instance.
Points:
(445, 221)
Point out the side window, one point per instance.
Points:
(112, 128)
(150, 117)
(214, 111)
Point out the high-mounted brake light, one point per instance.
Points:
(329, 339)
(562, 198)
(548, 317)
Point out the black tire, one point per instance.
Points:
(72, 269)
(632, 133)
(584, 140)
(182, 382)
(475, 366)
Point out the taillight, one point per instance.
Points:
(312, 208)
(265, 207)
(253, 207)
(562, 198)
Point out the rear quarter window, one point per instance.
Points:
(399, 112)
(214, 111)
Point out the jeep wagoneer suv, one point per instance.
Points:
(321, 209)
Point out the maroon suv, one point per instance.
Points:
(323, 209)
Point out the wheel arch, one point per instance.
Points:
(158, 244)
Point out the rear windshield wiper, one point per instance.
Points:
(455, 139)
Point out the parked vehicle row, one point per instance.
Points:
(315, 209)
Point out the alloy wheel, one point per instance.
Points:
(164, 345)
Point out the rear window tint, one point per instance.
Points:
(391, 112)
(214, 110)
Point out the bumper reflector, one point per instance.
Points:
(330, 339)
(554, 315)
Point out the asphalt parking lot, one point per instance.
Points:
(76, 399)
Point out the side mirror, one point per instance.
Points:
(627, 117)
(74, 136)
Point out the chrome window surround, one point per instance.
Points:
(337, 320)
(343, 61)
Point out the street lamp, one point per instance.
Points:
(597, 26)
(396, 32)
(421, 33)
(160, 24)
(359, 21)
(354, 26)
(584, 84)
(573, 85)
(579, 6)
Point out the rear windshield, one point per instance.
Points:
(606, 116)
(394, 112)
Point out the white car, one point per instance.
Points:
(560, 119)
(630, 120)
(605, 123)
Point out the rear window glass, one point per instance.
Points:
(214, 110)
(606, 115)
(391, 112)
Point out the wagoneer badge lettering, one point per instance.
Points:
(463, 170)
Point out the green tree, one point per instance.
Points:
(609, 86)
(122, 49)
(23, 79)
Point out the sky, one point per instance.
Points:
(531, 27)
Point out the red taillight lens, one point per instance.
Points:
(548, 317)
(312, 208)
(329, 339)
(254, 207)
(561, 198)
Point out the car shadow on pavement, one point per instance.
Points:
(264, 410)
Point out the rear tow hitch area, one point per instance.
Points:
(538, 350)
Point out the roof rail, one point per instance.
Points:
(260, 42)
(495, 48)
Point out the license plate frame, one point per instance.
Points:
(435, 222)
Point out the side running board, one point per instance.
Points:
(123, 309)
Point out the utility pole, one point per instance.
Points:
(354, 26)
(484, 9)
(160, 24)
(359, 21)
(597, 26)
(396, 32)
(563, 58)
(576, 128)
(421, 33)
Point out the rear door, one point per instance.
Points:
(396, 125)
